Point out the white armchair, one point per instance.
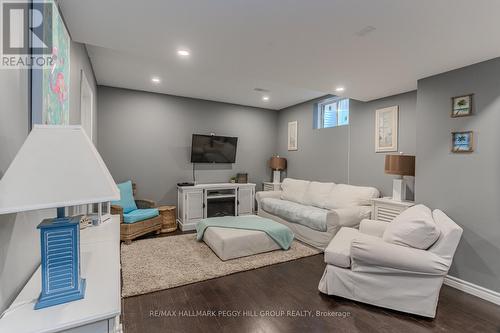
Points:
(363, 267)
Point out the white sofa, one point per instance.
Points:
(399, 265)
(316, 211)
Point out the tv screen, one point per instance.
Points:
(213, 149)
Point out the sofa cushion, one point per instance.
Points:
(338, 252)
(343, 195)
(312, 217)
(294, 190)
(140, 215)
(126, 201)
(414, 227)
(317, 194)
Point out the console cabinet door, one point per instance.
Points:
(245, 200)
(194, 206)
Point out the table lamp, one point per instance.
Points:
(400, 165)
(277, 164)
(57, 167)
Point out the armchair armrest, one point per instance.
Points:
(347, 217)
(373, 227)
(144, 204)
(117, 210)
(373, 255)
(266, 194)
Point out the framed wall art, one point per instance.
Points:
(462, 142)
(292, 135)
(386, 129)
(50, 84)
(461, 106)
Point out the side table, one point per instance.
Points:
(169, 224)
(386, 209)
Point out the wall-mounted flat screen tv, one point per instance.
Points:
(213, 149)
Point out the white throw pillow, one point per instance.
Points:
(414, 227)
(294, 190)
(343, 195)
(317, 194)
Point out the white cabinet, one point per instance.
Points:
(268, 186)
(98, 312)
(194, 206)
(205, 200)
(190, 205)
(245, 200)
(386, 209)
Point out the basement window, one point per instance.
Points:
(331, 112)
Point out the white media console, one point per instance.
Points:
(209, 200)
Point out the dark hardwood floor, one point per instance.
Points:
(291, 286)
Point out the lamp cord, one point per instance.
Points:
(194, 178)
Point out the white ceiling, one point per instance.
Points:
(297, 49)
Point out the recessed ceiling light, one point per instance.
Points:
(339, 89)
(183, 53)
(265, 98)
(155, 79)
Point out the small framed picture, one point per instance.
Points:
(462, 142)
(461, 106)
(386, 129)
(292, 135)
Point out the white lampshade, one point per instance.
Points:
(57, 166)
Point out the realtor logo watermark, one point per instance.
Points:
(26, 35)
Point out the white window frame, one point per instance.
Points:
(321, 112)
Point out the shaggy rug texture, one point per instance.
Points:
(161, 263)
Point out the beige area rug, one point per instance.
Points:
(161, 263)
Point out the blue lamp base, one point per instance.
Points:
(60, 264)
(74, 295)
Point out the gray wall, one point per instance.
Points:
(322, 153)
(327, 155)
(80, 62)
(146, 137)
(465, 186)
(19, 238)
(365, 166)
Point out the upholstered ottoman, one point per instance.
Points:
(235, 243)
(231, 243)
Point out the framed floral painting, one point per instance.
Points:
(50, 84)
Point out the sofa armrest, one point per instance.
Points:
(373, 227)
(117, 210)
(373, 255)
(347, 217)
(266, 194)
(145, 204)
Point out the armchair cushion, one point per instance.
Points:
(415, 227)
(140, 215)
(373, 227)
(126, 197)
(338, 252)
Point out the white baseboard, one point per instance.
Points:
(473, 289)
